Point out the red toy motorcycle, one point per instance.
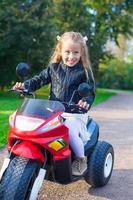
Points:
(38, 145)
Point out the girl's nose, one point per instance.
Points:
(71, 55)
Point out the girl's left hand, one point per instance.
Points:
(83, 104)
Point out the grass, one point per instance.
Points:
(103, 95)
(9, 102)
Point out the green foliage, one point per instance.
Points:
(109, 19)
(116, 74)
(26, 35)
(70, 15)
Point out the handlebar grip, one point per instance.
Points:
(74, 108)
(23, 92)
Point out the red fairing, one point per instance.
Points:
(28, 150)
(32, 141)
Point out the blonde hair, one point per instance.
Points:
(76, 37)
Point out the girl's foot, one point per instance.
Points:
(79, 166)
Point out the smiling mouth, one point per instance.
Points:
(71, 61)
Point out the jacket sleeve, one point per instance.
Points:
(91, 82)
(39, 80)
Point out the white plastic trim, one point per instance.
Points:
(4, 167)
(37, 184)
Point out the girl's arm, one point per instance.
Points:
(87, 101)
(38, 81)
(91, 82)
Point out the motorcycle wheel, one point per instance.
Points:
(18, 179)
(100, 165)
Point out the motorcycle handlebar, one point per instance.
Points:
(22, 92)
(70, 108)
(74, 108)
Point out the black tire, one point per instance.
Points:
(100, 165)
(18, 179)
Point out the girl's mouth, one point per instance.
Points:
(71, 62)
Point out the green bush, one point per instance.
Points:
(116, 75)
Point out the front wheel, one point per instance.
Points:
(17, 182)
(100, 164)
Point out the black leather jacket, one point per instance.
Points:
(64, 80)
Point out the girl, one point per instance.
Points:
(69, 66)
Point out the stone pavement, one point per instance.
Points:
(115, 118)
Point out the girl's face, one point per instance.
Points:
(71, 53)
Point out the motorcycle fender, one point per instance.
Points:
(28, 150)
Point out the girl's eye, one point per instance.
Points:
(74, 53)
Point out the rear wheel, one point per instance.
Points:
(18, 179)
(100, 165)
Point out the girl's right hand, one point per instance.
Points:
(18, 85)
(83, 104)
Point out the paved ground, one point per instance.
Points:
(115, 118)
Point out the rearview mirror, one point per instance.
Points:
(22, 70)
(84, 89)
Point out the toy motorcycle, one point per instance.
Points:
(38, 145)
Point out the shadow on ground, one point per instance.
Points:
(120, 186)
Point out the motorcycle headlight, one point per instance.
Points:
(27, 123)
(50, 125)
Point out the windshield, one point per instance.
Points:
(40, 108)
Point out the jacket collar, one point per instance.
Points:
(64, 66)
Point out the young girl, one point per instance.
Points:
(69, 66)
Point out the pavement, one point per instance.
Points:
(115, 118)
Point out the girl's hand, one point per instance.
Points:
(83, 104)
(18, 85)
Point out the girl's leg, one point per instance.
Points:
(75, 141)
(79, 165)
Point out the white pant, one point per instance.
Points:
(78, 135)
